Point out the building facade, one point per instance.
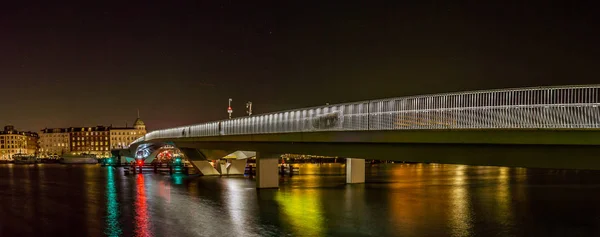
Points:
(54, 142)
(97, 140)
(121, 137)
(17, 142)
(90, 140)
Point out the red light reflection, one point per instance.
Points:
(141, 209)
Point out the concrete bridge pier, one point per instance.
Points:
(222, 166)
(267, 175)
(199, 160)
(355, 170)
(236, 166)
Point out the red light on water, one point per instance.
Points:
(142, 219)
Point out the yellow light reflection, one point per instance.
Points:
(406, 213)
(503, 196)
(520, 179)
(303, 209)
(460, 204)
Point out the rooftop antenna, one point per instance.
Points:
(138, 110)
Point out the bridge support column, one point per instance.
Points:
(199, 161)
(237, 166)
(355, 170)
(222, 166)
(204, 167)
(266, 171)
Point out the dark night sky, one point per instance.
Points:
(85, 65)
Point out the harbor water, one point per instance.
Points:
(397, 200)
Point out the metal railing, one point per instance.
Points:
(536, 107)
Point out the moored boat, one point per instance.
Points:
(24, 159)
(78, 159)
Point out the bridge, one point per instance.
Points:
(546, 127)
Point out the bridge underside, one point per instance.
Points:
(563, 149)
(534, 156)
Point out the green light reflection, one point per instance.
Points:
(178, 178)
(112, 206)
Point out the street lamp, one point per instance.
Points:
(229, 110)
(249, 108)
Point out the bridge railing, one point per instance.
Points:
(538, 107)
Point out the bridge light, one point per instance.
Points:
(229, 110)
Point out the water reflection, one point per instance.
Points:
(142, 221)
(235, 206)
(503, 197)
(113, 228)
(460, 213)
(302, 208)
(178, 178)
(397, 200)
(92, 199)
(27, 185)
(164, 190)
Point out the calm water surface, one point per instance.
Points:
(398, 200)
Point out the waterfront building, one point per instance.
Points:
(121, 137)
(90, 140)
(98, 140)
(54, 142)
(15, 142)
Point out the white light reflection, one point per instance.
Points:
(235, 207)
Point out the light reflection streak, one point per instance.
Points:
(503, 196)
(112, 206)
(521, 180)
(460, 204)
(404, 211)
(178, 178)
(164, 190)
(235, 207)
(303, 209)
(141, 209)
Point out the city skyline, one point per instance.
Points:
(72, 65)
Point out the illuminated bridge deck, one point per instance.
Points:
(558, 107)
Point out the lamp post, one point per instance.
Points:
(229, 110)
(249, 108)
